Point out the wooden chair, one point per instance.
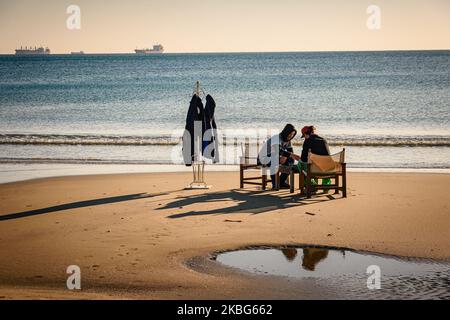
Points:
(250, 163)
(323, 167)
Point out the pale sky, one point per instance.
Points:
(119, 26)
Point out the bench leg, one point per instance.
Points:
(344, 181)
(241, 177)
(301, 182)
(264, 180)
(336, 180)
(277, 181)
(292, 181)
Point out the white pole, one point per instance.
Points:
(199, 139)
(197, 88)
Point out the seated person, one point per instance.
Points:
(278, 151)
(317, 145)
(313, 142)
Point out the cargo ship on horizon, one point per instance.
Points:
(32, 51)
(157, 49)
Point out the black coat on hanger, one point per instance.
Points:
(210, 124)
(195, 114)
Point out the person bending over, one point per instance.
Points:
(278, 151)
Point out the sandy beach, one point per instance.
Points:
(141, 236)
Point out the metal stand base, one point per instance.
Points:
(198, 170)
(197, 187)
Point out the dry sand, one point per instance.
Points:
(138, 235)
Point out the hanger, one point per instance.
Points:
(198, 91)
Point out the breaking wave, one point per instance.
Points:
(122, 140)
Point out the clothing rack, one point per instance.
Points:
(198, 165)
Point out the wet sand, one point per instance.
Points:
(133, 234)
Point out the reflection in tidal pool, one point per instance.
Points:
(400, 278)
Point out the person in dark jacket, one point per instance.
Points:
(278, 150)
(313, 142)
(317, 145)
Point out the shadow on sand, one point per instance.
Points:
(79, 204)
(254, 202)
(245, 201)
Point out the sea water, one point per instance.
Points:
(388, 109)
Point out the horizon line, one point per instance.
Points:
(235, 52)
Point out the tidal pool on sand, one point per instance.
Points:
(347, 270)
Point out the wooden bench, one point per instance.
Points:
(250, 163)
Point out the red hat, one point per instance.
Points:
(307, 130)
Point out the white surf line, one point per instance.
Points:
(24, 172)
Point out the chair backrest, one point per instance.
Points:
(245, 151)
(326, 164)
(249, 153)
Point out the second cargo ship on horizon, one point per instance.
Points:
(157, 49)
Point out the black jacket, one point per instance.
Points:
(210, 124)
(317, 145)
(195, 113)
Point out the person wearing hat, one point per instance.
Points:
(278, 150)
(313, 142)
(317, 145)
